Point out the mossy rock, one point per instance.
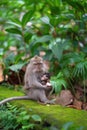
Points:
(54, 114)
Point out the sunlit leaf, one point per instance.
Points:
(45, 38)
(26, 18)
(27, 127)
(26, 117)
(17, 24)
(57, 50)
(16, 67)
(46, 20)
(36, 118)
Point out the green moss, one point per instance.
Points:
(54, 114)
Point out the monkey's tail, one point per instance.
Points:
(14, 98)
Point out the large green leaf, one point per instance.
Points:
(45, 38)
(14, 30)
(36, 118)
(26, 18)
(16, 67)
(15, 23)
(45, 20)
(57, 50)
(10, 59)
(27, 36)
(18, 57)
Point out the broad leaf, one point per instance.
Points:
(14, 30)
(85, 17)
(18, 57)
(46, 20)
(15, 23)
(16, 67)
(27, 36)
(67, 126)
(26, 18)
(36, 118)
(45, 38)
(57, 50)
(27, 127)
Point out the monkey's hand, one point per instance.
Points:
(48, 84)
(38, 85)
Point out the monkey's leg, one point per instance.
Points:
(43, 98)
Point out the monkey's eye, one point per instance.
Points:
(37, 63)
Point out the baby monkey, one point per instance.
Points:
(45, 80)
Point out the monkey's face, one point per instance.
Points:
(37, 64)
(44, 78)
(38, 67)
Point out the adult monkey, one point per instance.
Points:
(32, 82)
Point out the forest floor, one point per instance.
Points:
(54, 114)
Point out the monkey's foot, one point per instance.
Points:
(42, 103)
(47, 102)
(51, 101)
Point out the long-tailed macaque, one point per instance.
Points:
(33, 87)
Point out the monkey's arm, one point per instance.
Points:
(38, 85)
(14, 98)
(33, 82)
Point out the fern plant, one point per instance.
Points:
(8, 117)
(58, 82)
(80, 73)
(13, 118)
(72, 70)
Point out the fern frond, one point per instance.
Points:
(80, 69)
(58, 82)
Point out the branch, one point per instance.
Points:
(14, 98)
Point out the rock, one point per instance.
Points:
(64, 98)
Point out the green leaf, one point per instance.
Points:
(14, 30)
(27, 36)
(45, 38)
(14, 23)
(16, 67)
(26, 18)
(57, 50)
(58, 82)
(9, 59)
(67, 126)
(46, 20)
(18, 57)
(27, 127)
(26, 117)
(85, 17)
(36, 118)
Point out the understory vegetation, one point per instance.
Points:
(13, 118)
